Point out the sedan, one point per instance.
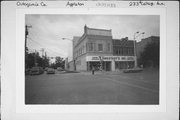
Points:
(36, 70)
(50, 71)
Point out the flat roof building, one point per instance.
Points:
(124, 48)
(96, 48)
(141, 45)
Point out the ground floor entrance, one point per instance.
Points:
(104, 65)
(124, 64)
(109, 65)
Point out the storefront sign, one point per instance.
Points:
(110, 58)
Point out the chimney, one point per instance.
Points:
(85, 29)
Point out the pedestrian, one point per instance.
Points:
(93, 70)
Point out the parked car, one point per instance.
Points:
(60, 69)
(50, 71)
(36, 70)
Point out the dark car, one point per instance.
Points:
(50, 71)
(36, 70)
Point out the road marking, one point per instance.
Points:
(136, 86)
(145, 81)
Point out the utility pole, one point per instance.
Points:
(35, 59)
(26, 34)
(135, 49)
(45, 60)
(42, 50)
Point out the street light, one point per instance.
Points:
(72, 45)
(67, 39)
(135, 64)
(69, 47)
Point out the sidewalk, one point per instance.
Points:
(102, 72)
(144, 71)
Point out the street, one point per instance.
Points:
(101, 88)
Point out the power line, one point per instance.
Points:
(33, 45)
(35, 41)
(36, 36)
(55, 53)
(43, 45)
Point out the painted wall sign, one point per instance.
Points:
(110, 58)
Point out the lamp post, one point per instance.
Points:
(135, 64)
(72, 45)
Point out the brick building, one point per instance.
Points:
(123, 47)
(140, 46)
(96, 48)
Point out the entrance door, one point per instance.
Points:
(107, 65)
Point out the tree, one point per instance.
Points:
(32, 58)
(46, 62)
(150, 56)
(59, 62)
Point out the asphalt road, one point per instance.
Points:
(85, 88)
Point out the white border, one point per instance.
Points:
(20, 82)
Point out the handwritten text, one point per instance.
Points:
(74, 4)
(31, 4)
(146, 3)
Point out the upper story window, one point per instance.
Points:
(100, 47)
(108, 47)
(83, 49)
(91, 46)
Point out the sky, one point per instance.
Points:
(47, 31)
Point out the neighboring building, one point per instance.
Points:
(66, 66)
(96, 48)
(124, 47)
(140, 46)
(71, 65)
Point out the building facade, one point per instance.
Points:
(140, 46)
(96, 48)
(124, 48)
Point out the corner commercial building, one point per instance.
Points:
(96, 48)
